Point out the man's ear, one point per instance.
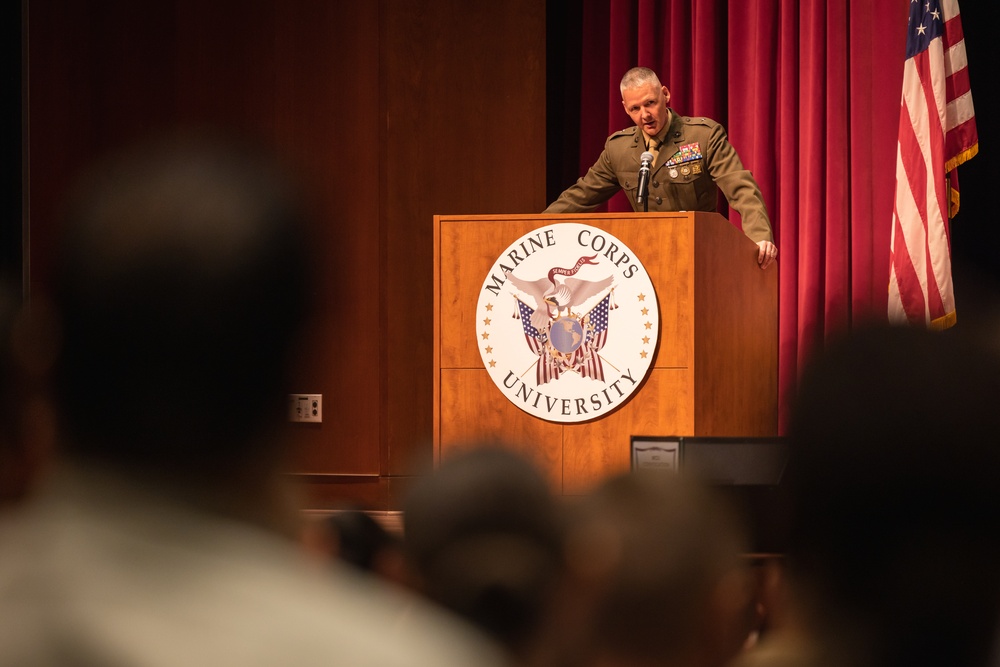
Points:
(666, 95)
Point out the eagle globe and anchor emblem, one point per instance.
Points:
(570, 285)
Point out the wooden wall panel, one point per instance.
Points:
(98, 75)
(725, 342)
(465, 133)
(102, 74)
(326, 99)
(378, 104)
(667, 253)
(497, 420)
(327, 492)
(594, 450)
(224, 70)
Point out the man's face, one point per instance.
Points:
(647, 105)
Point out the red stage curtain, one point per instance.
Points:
(809, 92)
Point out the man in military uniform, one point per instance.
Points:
(693, 159)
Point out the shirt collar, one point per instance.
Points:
(662, 136)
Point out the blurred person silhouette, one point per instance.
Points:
(27, 426)
(482, 534)
(167, 533)
(657, 576)
(354, 537)
(894, 529)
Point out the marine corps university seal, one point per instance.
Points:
(567, 323)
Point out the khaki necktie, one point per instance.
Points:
(654, 148)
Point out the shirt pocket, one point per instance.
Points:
(689, 185)
(628, 180)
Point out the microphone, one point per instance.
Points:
(645, 161)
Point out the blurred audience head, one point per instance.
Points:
(354, 537)
(182, 284)
(657, 575)
(895, 506)
(482, 535)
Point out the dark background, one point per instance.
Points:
(976, 229)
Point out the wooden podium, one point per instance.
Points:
(715, 372)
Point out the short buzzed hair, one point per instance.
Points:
(639, 76)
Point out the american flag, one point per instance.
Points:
(591, 365)
(937, 132)
(531, 334)
(546, 368)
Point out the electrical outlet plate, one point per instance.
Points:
(305, 408)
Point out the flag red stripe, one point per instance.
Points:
(961, 138)
(957, 84)
(953, 33)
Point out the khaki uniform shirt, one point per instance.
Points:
(695, 161)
